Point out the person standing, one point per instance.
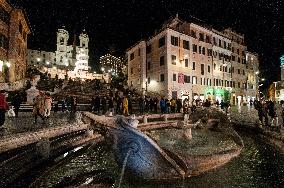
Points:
(97, 104)
(47, 105)
(39, 106)
(3, 107)
(104, 105)
(173, 105)
(125, 106)
(16, 102)
(282, 112)
(185, 107)
(141, 105)
(63, 104)
(130, 104)
(93, 104)
(73, 104)
(110, 105)
(163, 105)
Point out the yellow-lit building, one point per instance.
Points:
(14, 30)
(190, 60)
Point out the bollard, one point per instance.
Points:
(187, 133)
(166, 117)
(144, 119)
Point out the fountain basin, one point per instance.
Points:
(167, 154)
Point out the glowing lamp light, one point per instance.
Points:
(103, 69)
(47, 62)
(8, 64)
(38, 59)
(1, 65)
(256, 72)
(54, 67)
(262, 79)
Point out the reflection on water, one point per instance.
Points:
(257, 166)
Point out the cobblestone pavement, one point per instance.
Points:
(25, 123)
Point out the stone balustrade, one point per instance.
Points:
(23, 139)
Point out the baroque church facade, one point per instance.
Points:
(71, 56)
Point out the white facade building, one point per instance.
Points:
(66, 55)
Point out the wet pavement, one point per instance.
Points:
(25, 123)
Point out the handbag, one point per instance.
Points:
(11, 113)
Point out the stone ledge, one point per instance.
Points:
(23, 139)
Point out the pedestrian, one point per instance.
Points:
(104, 105)
(130, 108)
(173, 105)
(185, 107)
(125, 106)
(163, 105)
(193, 107)
(63, 104)
(97, 104)
(151, 104)
(73, 103)
(92, 104)
(272, 113)
(118, 105)
(155, 105)
(39, 107)
(3, 107)
(110, 105)
(282, 112)
(16, 102)
(147, 104)
(168, 106)
(141, 105)
(56, 106)
(179, 105)
(47, 105)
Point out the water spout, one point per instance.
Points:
(123, 168)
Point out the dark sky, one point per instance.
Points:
(118, 24)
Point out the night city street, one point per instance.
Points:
(150, 94)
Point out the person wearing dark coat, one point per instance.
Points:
(130, 104)
(110, 105)
(97, 104)
(104, 105)
(3, 107)
(16, 102)
(92, 104)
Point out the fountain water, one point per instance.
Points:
(123, 168)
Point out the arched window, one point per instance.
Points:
(61, 40)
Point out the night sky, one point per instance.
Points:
(118, 24)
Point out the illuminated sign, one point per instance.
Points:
(282, 61)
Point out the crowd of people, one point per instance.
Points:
(267, 112)
(43, 104)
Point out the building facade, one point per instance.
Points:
(111, 64)
(73, 56)
(189, 60)
(14, 30)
